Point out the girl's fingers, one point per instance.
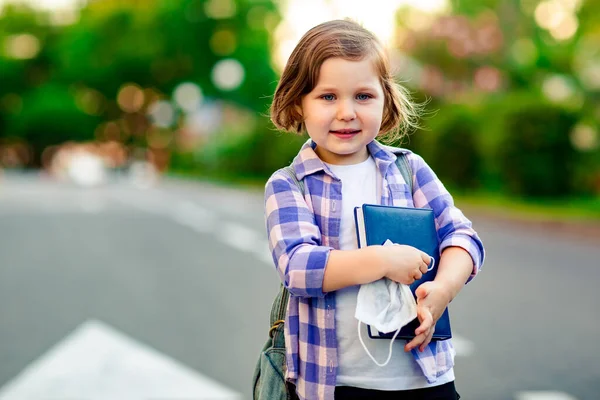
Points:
(427, 340)
(423, 268)
(426, 258)
(426, 320)
(415, 342)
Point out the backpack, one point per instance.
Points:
(269, 374)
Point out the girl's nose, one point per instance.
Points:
(346, 111)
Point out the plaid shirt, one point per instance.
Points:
(303, 230)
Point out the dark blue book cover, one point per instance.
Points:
(403, 225)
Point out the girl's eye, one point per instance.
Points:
(328, 97)
(363, 96)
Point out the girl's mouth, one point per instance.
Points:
(345, 133)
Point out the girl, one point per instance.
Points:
(337, 86)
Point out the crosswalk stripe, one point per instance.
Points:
(543, 395)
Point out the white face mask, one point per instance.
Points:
(385, 305)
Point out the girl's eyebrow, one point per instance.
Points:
(334, 89)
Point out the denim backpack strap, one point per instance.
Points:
(279, 307)
(405, 169)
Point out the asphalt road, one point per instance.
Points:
(183, 268)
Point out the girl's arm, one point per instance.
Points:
(347, 268)
(455, 268)
(402, 264)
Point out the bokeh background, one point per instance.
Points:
(172, 97)
(185, 85)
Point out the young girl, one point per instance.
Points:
(337, 87)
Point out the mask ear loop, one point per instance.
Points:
(432, 264)
(367, 350)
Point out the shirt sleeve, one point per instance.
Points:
(454, 229)
(294, 238)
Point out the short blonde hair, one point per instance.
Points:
(348, 40)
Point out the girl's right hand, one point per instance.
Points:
(402, 263)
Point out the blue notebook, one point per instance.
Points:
(411, 226)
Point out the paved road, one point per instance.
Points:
(182, 268)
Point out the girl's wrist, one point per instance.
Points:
(378, 260)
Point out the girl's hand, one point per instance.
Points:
(403, 263)
(432, 299)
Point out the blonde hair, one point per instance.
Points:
(348, 40)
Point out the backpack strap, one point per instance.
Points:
(279, 307)
(405, 169)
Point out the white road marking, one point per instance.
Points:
(97, 362)
(463, 347)
(240, 237)
(192, 215)
(543, 395)
(264, 253)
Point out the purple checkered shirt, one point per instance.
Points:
(303, 230)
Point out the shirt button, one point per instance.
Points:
(331, 366)
(333, 206)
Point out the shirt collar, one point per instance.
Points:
(307, 162)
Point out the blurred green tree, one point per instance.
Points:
(153, 44)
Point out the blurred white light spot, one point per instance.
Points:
(188, 96)
(22, 47)
(549, 14)
(228, 74)
(86, 169)
(162, 114)
(51, 5)
(220, 9)
(572, 5)
(63, 17)
(205, 120)
(557, 88)
(142, 174)
(379, 16)
(566, 29)
(584, 137)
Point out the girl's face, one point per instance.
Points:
(343, 112)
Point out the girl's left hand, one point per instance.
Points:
(432, 299)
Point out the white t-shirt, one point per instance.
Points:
(359, 186)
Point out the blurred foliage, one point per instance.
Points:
(51, 117)
(448, 140)
(514, 104)
(512, 90)
(536, 155)
(153, 44)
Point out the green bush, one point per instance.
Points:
(448, 142)
(536, 157)
(456, 158)
(49, 116)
